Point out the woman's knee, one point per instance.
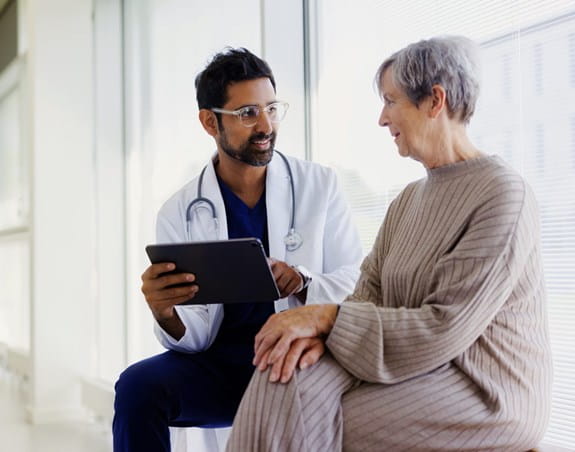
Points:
(326, 374)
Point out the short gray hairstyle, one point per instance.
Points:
(449, 61)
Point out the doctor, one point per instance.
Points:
(246, 190)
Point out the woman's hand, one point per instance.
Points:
(276, 339)
(302, 353)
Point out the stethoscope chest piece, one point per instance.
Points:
(293, 240)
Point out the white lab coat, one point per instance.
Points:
(331, 250)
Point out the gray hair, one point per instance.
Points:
(449, 61)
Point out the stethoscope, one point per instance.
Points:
(292, 240)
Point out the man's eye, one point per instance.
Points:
(272, 109)
(250, 112)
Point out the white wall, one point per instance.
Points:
(97, 177)
(167, 44)
(60, 130)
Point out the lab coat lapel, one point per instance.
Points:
(278, 205)
(211, 190)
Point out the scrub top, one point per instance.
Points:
(242, 321)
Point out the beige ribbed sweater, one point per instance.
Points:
(444, 343)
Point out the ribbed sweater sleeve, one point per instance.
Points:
(449, 265)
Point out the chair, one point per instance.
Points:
(190, 439)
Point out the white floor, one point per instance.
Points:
(16, 435)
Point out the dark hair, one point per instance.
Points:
(225, 68)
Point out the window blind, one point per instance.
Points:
(525, 114)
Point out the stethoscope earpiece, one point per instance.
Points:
(293, 240)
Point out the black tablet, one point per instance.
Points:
(227, 271)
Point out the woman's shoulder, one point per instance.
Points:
(500, 190)
(498, 180)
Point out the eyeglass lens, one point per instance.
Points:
(275, 111)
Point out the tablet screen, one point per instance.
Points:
(227, 271)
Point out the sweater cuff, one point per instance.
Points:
(347, 339)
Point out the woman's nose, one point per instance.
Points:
(383, 121)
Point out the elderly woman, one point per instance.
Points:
(444, 343)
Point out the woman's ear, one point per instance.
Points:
(209, 121)
(438, 101)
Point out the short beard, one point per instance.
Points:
(245, 153)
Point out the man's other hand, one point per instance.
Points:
(160, 293)
(288, 279)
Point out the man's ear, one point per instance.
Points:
(438, 101)
(209, 121)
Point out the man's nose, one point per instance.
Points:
(264, 123)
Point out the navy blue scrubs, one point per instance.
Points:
(201, 389)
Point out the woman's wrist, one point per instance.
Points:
(327, 316)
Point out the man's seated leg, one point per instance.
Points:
(175, 389)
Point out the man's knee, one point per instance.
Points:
(138, 386)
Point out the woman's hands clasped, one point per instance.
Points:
(293, 338)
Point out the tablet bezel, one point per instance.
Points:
(227, 271)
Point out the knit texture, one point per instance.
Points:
(444, 341)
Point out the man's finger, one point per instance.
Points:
(178, 278)
(277, 269)
(176, 292)
(154, 270)
(293, 286)
(288, 283)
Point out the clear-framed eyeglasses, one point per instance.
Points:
(249, 115)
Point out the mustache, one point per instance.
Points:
(262, 136)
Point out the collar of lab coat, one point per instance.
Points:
(278, 203)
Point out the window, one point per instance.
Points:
(167, 44)
(522, 115)
(572, 144)
(538, 68)
(14, 218)
(507, 76)
(539, 149)
(12, 189)
(572, 59)
(15, 294)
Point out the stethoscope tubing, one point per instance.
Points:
(292, 240)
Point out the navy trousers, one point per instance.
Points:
(179, 389)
